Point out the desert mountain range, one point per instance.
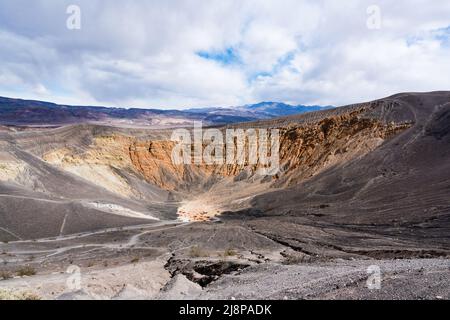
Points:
(20, 112)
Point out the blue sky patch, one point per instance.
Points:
(442, 35)
(281, 63)
(227, 57)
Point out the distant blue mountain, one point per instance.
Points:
(262, 110)
(277, 109)
(29, 112)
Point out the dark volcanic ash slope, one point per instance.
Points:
(388, 202)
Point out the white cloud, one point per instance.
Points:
(145, 54)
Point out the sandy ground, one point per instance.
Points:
(227, 195)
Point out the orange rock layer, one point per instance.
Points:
(304, 152)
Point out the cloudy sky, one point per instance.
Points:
(179, 54)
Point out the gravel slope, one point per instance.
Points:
(400, 279)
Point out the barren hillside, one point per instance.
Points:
(367, 181)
